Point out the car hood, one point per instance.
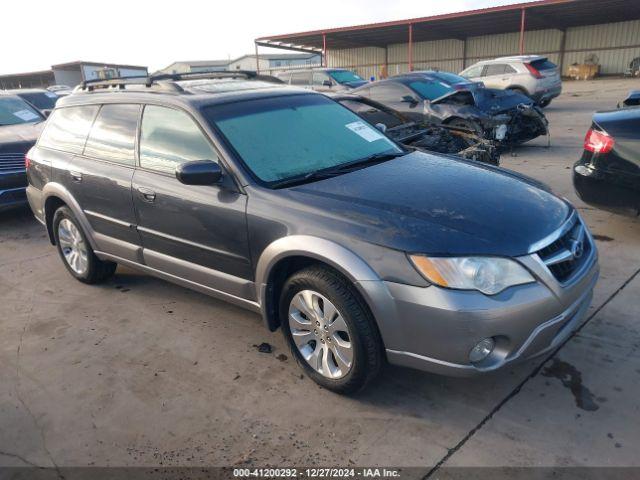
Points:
(19, 138)
(438, 205)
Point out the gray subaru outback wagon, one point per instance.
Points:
(284, 202)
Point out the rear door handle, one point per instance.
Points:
(147, 194)
(75, 176)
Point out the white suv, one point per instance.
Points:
(532, 75)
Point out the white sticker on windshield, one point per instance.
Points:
(25, 115)
(370, 134)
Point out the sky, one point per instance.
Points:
(157, 33)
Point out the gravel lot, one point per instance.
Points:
(139, 372)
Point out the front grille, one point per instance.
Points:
(11, 162)
(567, 254)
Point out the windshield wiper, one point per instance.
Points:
(368, 160)
(339, 169)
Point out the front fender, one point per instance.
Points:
(373, 290)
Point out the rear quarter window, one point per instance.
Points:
(67, 128)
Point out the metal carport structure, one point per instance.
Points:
(519, 19)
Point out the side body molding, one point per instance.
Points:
(54, 189)
(368, 283)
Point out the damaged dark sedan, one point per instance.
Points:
(507, 117)
(430, 138)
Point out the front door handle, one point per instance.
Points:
(147, 194)
(75, 176)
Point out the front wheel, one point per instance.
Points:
(76, 252)
(329, 330)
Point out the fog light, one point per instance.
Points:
(482, 350)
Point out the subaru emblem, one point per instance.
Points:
(577, 248)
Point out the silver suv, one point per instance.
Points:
(532, 75)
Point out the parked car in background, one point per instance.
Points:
(631, 100)
(287, 203)
(20, 125)
(39, 98)
(322, 79)
(608, 174)
(532, 75)
(439, 139)
(60, 90)
(505, 116)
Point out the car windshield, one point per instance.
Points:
(450, 78)
(14, 111)
(345, 76)
(40, 100)
(292, 136)
(491, 99)
(430, 89)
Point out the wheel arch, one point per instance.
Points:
(55, 196)
(289, 254)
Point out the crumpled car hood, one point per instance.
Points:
(437, 205)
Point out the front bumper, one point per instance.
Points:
(547, 93)
(12, 189)
(434, 329)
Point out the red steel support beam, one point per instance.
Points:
(411, 47)
(522, 22)
(257, 58)
(324, 50)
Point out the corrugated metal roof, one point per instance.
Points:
(540, 15)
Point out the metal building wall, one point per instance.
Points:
(615, 44)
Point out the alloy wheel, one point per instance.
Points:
(73, 246)
(321, 334)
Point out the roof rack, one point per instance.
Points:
(166, 82)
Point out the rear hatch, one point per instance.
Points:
(548, 72)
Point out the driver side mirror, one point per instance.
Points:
(199, 172)
(327, 83)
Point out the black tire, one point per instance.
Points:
(97, 270)
(368, 350)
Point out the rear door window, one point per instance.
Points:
(169, 137)
(388, 92)
(113, 135)
(497, 69)
(67, 128)
(302, 79)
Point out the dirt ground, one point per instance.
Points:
(140, 372)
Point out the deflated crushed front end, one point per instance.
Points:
(518, 125)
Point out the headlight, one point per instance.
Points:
(489, 275)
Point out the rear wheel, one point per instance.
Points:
(329, 330)
(76, 252)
